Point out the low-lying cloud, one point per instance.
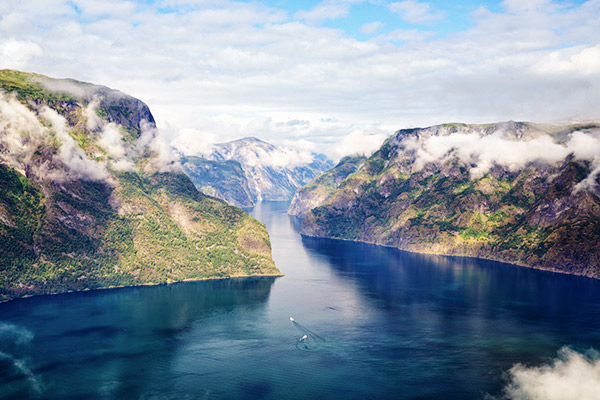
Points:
(164, 158)
(359, 142)
(121, 153)
(22, 134)
(482, 151)
(70, 153)
(571, 376)
(27, 385)
(266, 156)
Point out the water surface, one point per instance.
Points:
(369, 322)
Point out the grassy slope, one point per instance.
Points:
(143, 228)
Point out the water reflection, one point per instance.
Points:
(464, 315)
(397, 276)
(372, 322)
(116, 343)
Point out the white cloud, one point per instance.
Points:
(372, 27)
(323, 12)
(22, 134)
(405, 35)
(164, 158)
(260, 154)
(528, 5)
(92, 120)
(415, 12)
(192, 142)
(326, 10)
(359, 142)
(572, 376)
(17, 53)
(70, 153)
(106, 8)
(111, 140)
(234, 69)
(581, 61)
(280, 158)
(482, 151)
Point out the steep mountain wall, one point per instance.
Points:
(91, 199)
(515, 192)
(318, 191)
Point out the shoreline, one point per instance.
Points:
(557, 271)
(86, 290)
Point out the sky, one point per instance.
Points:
(331, 76)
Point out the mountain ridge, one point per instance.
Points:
(515, 192)
(92, 199)
(248, 170)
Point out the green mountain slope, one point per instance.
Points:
(89, 198)
(527, 195)
(321, 189)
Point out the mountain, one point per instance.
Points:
(249, 170)
(224, 179)
(90, 198)
(515, 192)
(321, 189)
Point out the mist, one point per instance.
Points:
(13, 339)
(22, 134)
(358, 142)
(70, 153)
(165, 158)
(571, 376)
(481, 151)
(278, 158)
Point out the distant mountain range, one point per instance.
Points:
(87, 201)
(522, 193)
(245, 171)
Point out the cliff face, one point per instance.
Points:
(91, 199)
(514, 192)
(265, 172)
(223, 179)
(318, 191)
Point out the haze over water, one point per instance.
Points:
(368, 322)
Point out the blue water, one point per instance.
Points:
(369, 322)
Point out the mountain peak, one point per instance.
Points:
(267, 172)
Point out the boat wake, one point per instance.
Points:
(309, 340)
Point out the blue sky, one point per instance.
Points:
(333, 75)
(452, 17)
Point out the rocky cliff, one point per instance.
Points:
(321, 189)
(249, 170)
(90, 198)
(224, 179)
(516, 192)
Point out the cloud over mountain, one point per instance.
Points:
(238, 69)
